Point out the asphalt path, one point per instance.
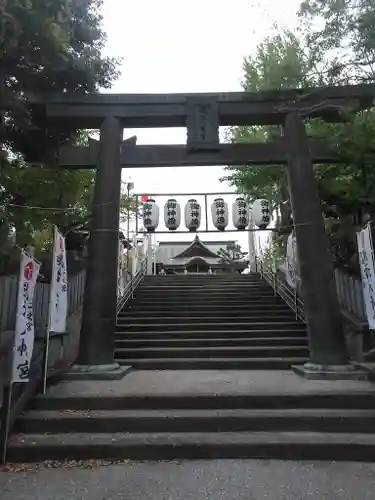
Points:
(190, 480)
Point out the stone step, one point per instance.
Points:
(203, 277)
(201, 308)
(241, 298)
(220, 285)
(274, 400)
(193, 445)
(204, 292)
(199, 325)
(215, 420)
(220, 288)
(204, 282)
(296, 330)
(212, 352)
(269, 363)
(210, 288)
(196, 308)
(209, 298)
(149, 316)
(158, 303)
(125, 343)
(192, 319)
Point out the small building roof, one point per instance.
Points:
(196, 249)
(206, 243)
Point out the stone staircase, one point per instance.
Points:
(208, 322)
(196, 414)
(211, 379)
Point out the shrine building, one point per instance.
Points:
(198, 257)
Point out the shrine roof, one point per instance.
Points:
(196, 249)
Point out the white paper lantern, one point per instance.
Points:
(172, 215)
(240, 214)
(192, 215)
(150, 215)
(219, 212)
(261, 213)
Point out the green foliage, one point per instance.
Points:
(278, 63)
(340, 38)
(231, 253)
(38, 196)
(336, 45)
(128, 207)
(47, 45)
(273, 254)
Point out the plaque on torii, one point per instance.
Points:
(202, 124)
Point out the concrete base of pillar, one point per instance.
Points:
(97, 372)
(312, 371)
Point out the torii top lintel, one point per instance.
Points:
(233, 108)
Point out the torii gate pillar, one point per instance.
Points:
(96, 349)
(328, 356)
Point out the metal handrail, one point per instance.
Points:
(132, 286)
(285, 291)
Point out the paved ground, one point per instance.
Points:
(199, 382)
(216, 480)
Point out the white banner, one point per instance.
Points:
(121, 270)
(366, 261)
(24, 329)
(134, 263)
(291, 261)
(59, 286)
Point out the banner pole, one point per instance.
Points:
(8, 399)
(8, 408)
(47, 337)
(7, 423)
(45, 365)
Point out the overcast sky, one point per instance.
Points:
(186, 46)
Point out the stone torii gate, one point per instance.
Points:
(202, 114)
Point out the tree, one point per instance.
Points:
(231, 253)
(347, 189)
(340, 37)
(278, 63)
(56, 46)
(50, 45)
(46, 46)
(272, 255)
(39, 196)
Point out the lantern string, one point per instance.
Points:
(56, 209)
